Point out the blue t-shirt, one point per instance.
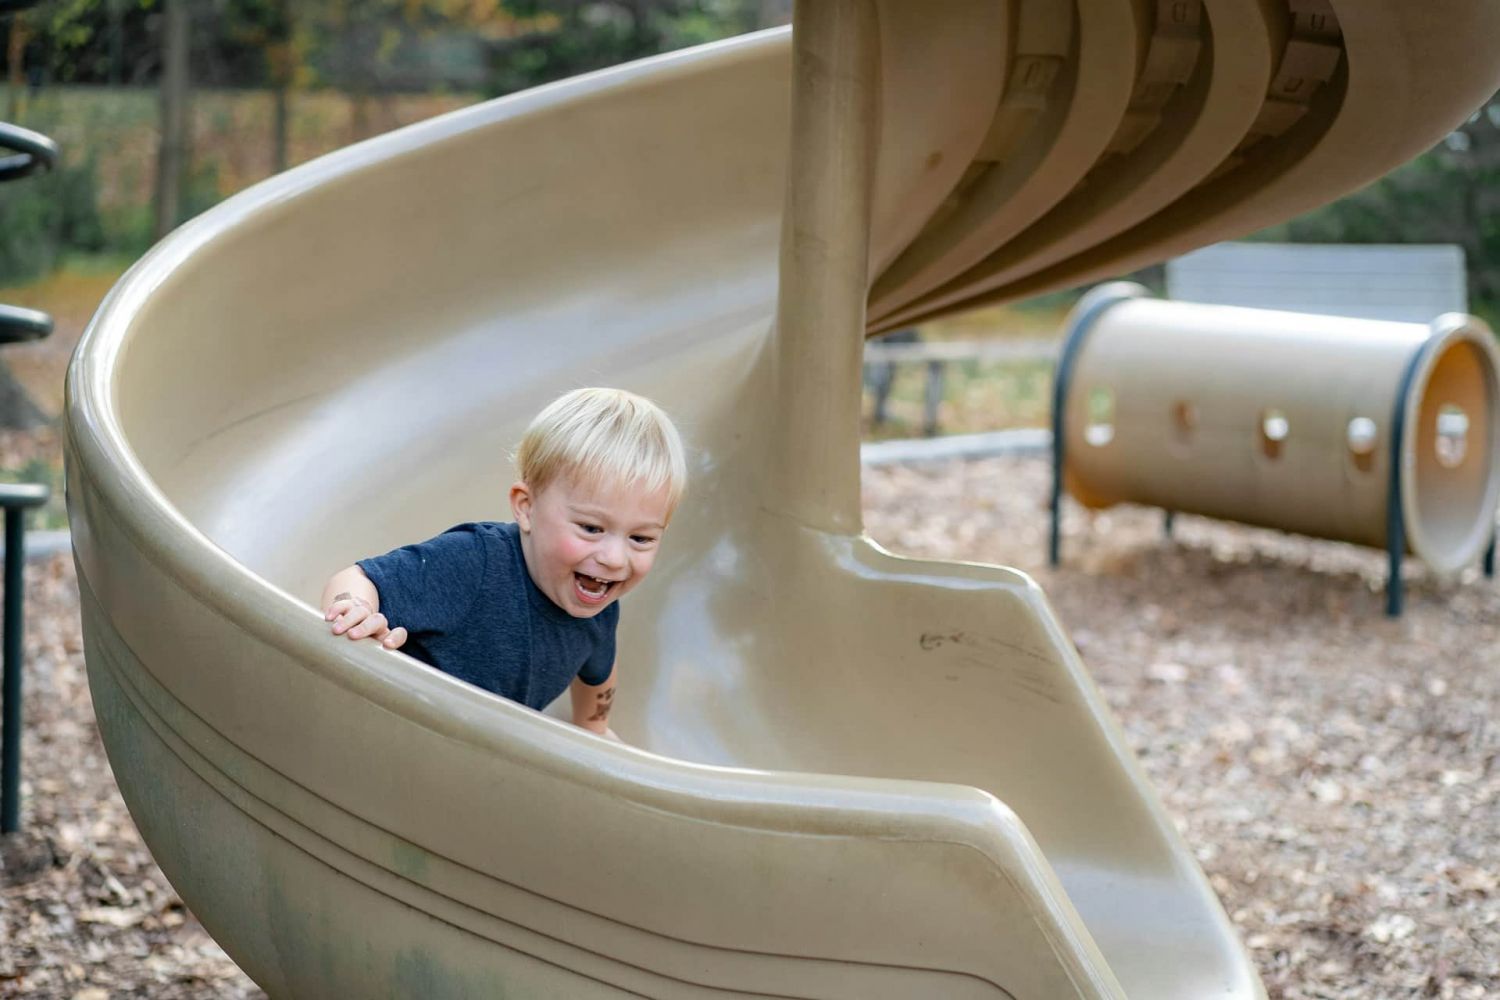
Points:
(470, 609)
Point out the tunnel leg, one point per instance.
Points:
(820, 316)
(1054, 507)
(1394, 595)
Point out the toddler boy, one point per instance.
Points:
(528, 608)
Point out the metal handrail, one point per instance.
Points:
(19, 325)
(30, 152)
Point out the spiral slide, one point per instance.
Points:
(849, 775)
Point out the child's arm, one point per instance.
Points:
(352, 604)
(592, 703)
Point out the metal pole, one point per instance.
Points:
(15, 565)
(934, 398)
(32, 152)
(1395, 544)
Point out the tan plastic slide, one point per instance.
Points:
(850, 775)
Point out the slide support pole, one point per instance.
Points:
(818, 347)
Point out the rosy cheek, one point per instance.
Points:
(572, 550)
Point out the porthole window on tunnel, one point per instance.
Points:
(1452, 436)
(1361, 437)
(1274, 429)
(1100, 430)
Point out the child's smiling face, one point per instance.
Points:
(586, 545)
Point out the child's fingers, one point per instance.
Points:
(373, 624)
(350, 618)
(344, 613)
(355, 619)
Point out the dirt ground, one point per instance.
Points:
(1334, 772)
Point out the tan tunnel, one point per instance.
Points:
(1286, 420)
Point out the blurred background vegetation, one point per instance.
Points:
(164, 107)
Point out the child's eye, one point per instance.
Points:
(592, 529)
(643, 539)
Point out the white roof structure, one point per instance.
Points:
(1407, 283)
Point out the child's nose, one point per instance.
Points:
(611, 552)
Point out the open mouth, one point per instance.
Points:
(592, 589)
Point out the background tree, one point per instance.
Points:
(568, 37)
(173, 150)
(1450, 194)
(266, 27)
(18, 31)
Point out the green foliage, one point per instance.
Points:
(569, 37)
(1450, 194)
(202, 192)
(89, 39)
(366, 48)
(45, 214)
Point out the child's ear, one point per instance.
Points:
(520, 505)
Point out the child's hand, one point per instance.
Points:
(353, 617)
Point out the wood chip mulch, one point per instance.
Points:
(1337, 774)
(85, 914)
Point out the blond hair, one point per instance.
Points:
(604, 436)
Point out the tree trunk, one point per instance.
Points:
(16, 53)
(280, 124)
(280, 60)
(359, 113)
(356, 46)
(172, 153)
(116, 42)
